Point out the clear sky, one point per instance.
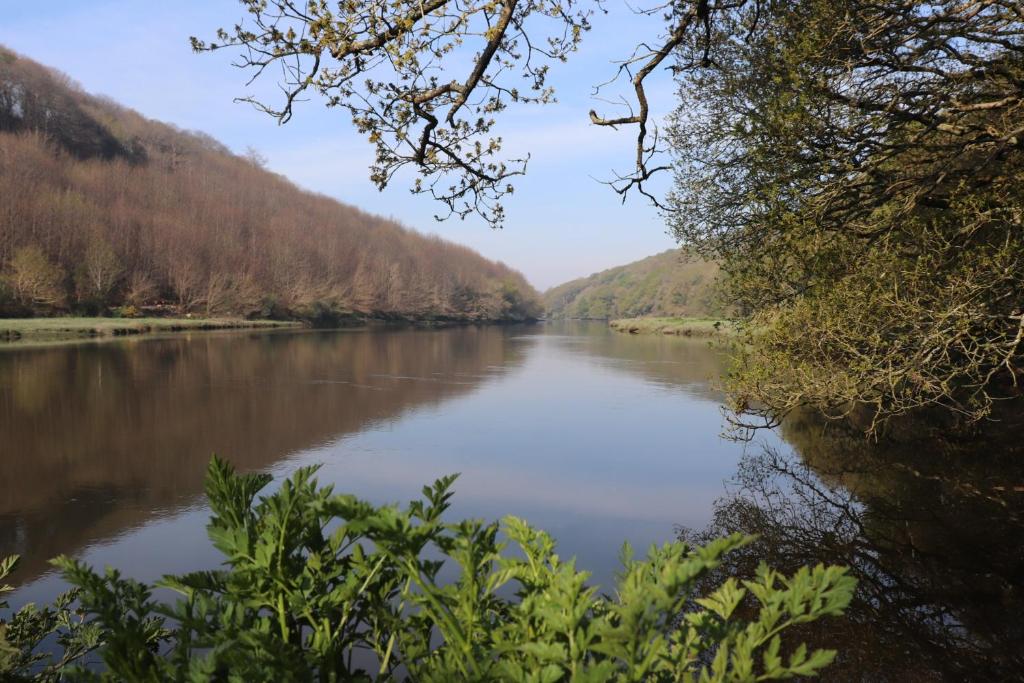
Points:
(562, 223)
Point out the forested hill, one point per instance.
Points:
(666, 284)
(101, 208)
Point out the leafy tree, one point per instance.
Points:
(35, 280)
(856, 167)
(320, 586)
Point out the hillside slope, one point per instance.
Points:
(103, 208)
(666, 284)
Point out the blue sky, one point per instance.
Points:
(562, 223)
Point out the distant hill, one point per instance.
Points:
(667, 284)
(102, 208)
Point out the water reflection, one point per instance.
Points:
(98, 438)
(932, 528)
(597, 437)
(693, 365)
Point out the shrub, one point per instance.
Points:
(126, 311)
(34, 279)
(320, 586)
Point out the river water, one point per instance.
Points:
(597, 437)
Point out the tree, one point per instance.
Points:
(140, 289)
(99, 272)
(255, 157)
(384, 60)
(857, 169)
(34, 279)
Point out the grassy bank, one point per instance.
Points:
(685, 327)
(67, 328)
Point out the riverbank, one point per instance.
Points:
(684, 327)
(71, 328)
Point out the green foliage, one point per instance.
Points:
(864, 198)
(322, 586)
(670, 284)
(28, 633)
(515, 302)
(126, 311)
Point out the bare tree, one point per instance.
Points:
(100, 271)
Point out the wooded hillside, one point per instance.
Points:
(101, 208)
(666, 284)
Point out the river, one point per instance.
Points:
(595, 436)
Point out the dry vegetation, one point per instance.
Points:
(103, 209)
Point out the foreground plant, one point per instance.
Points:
(22, 635)
(321, 586)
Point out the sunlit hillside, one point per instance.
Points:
(104, 209)
(667, 284)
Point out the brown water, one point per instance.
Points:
(595, 436)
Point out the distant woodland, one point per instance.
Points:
(103, 210)
(668, 284)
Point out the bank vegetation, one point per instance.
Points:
(680, 327)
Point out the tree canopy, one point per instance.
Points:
(857, 167)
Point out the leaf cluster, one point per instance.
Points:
(29, 636)
(323, 586)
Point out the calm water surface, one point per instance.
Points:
(597, 437)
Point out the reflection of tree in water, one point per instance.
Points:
(932, 529)
(677, 362)
(97, 439)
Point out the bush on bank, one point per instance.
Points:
(318, 586)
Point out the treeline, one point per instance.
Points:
(104, 210)
(670, 284)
